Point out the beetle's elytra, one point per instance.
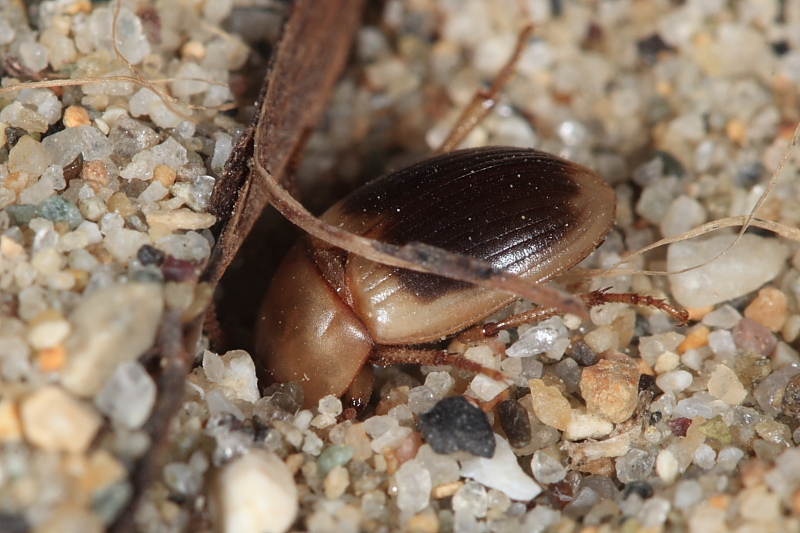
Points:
(329, 312)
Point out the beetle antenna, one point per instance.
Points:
(484, 101)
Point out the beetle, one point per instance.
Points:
(329, 313)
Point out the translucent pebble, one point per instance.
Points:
(378, 425)
(656, 198)
(190, 246)
(654, 512)
(129, 137)
(60, 48)
(443, 468)
(471, 498)
(19, 116)
(725, 385)
(546, 469)
(421, 399)
(653, 346)
(724, 317)
(683, 214)
(123, 243)
(390, 439)
(413, 487)
(219, 404)
(704, 456)
(44, 100)
(330, 405)
(635, 465)
(699, 404)
(748, 265)
(202, 187)
(7, 32)
(234, 370)
(63, 147)
(222, 149)
(721, 343)
(183, 479)
(502, 472)
(728, 457)
(154, 192)
(538, 339)
(541, 518)
(674, 381)
(188, 80)
(33, 55)
(440, 384)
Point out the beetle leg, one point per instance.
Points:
(400, 355)
(484, 101)
(602, 296)
(360, 390)
(480, 332)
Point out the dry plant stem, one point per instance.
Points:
(417, 256)
(307, 61)
(483, 102)
(744, 221)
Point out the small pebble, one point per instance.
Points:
(76, 116)
(611, 388)
(336, 482)
(674, 381)
(768, 309)
(413, 487)
(255, 493)
(549, 405)
(584, 426)
(502, 472)
(55, 421)
(515, 423)
(725, 385)
(111, 325)
(546, 469)
(455, 424)
(667, 466)
(745, 267)
(790, 403)
(128, 396)
(752, 336)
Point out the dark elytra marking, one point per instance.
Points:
(516, 205)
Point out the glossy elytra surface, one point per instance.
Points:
(525, 211)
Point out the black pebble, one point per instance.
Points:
(149, 255)
(515, 422)
(642, 488)
(455, 424)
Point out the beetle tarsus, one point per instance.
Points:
(602, 296)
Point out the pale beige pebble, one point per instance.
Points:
(10, 248)
(111, 325)
(101, 471)
(725, 385)
(667, 466)
(48, 331)
(602, 339)
(92, 208)
(759, 504)
(95, 172)
(16, 181)
(10, 423)
(27, 156)
(52, 359)
(164, 174)
(47, 261)
(76, 115)
(789, 331)
(181, 219)
(610, 388)
(254, 493)
(696, 338)
(425, 522)
(55, 421)
(69, 518)
(666, 361)
(120, 203)
(768, 309)
(585, 425)
(549, 405)
(336, 482)
(193, 50)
